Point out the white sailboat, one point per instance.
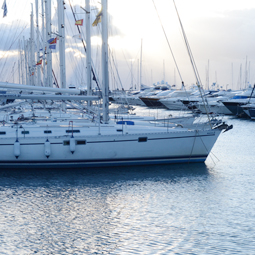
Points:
(102, 141)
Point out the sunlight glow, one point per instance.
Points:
(76, 53)
(6, 54)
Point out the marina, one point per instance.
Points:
(92, 162)
(101, 140)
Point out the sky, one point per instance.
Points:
(221, 35)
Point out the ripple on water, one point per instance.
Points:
(178, 209)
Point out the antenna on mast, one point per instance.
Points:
(141, 57)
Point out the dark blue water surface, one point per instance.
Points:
(171, 209)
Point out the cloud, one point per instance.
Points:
(75, 52)
(7, 54)
(220, 31)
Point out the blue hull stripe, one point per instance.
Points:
(106, 162)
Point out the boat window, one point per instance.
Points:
(66, 142)
(47, 131)
(142, 139)
(73, 131)
(24, 132)
(119, 130)
(2, 133)
(80, 142)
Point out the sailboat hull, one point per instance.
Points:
(110, 150)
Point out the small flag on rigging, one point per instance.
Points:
(52, 46)
(52, 43)
(4, 7)
(79, 22)
(98, 19)
(52, 40)
(39, 62)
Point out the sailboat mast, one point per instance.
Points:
(141, 60)
(105, 74)
(61, 30)
(88, 44)
(20, 63)
(32, 54)
(164, 77)
(19, 69)
(132, 74)
(232, 79)
(137, 75)
(43, 43)
(48, 37)
(38, 69)
(25, 60)
(208, 74)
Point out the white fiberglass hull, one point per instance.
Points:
(130, 147)
(218, 108)
(173, 104)
(128, 100)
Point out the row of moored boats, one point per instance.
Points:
(227, 102)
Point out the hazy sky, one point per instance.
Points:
(221, 32)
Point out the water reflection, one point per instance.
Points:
(100, 175)
(99, 210)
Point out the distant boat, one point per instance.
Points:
(235, 104)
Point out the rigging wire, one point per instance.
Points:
(199, 83)
(76, 67)
(6, 54)
(168, 43)
(8, 34)
(188, 48)
(84, 46)
(80, 65)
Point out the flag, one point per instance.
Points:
(79, 22)
(39, 62)
(52, 40)
(52, 43)
(98, 19)
(4, 7)
(52, 46)
(77, 36)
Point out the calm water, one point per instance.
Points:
(172, 209)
